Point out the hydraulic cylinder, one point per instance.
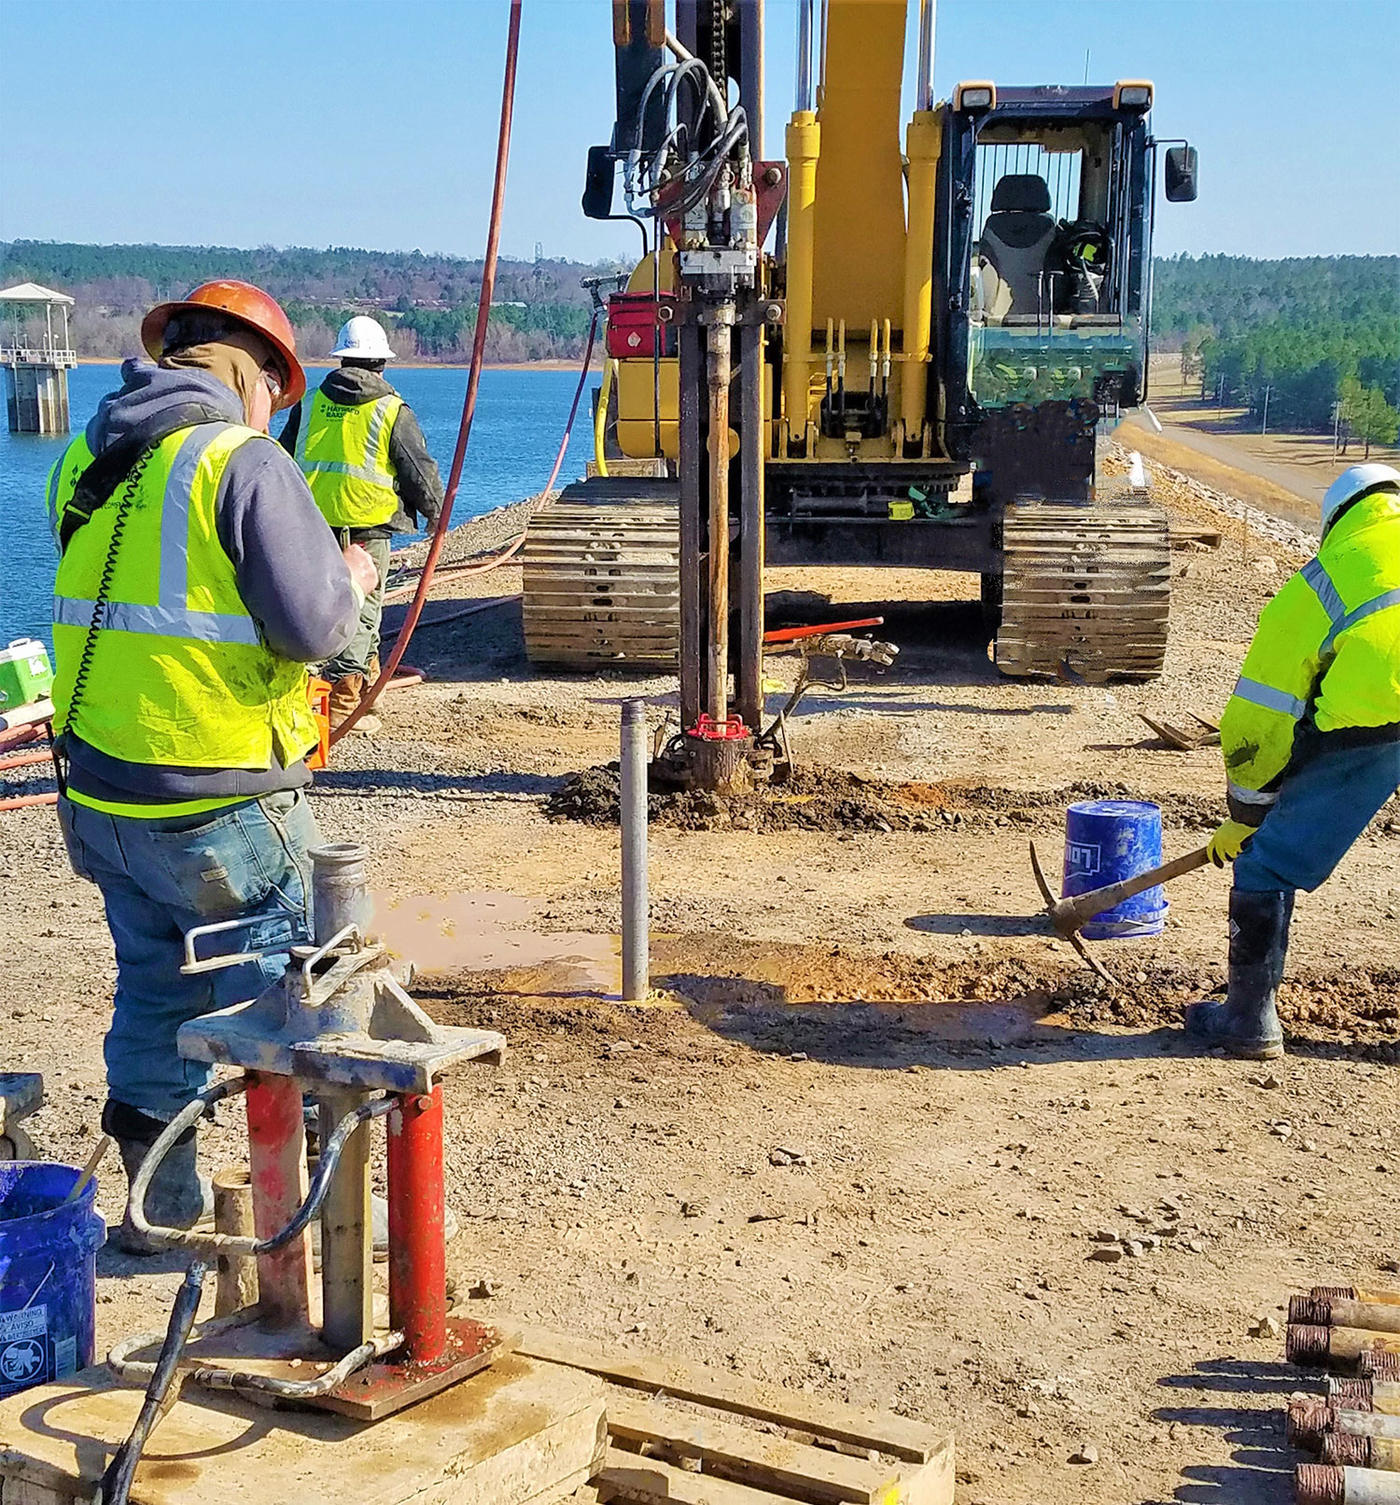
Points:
(804, 137)
(922, 141)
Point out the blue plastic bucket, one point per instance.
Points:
(1108, 840)
(48, 1273)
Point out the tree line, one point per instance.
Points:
(1317, 339)
(540, 310)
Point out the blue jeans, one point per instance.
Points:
(160, 878)
(1323, 806)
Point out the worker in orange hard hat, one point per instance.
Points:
(196, 580)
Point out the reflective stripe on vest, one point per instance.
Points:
(343, 451)
(1271, 699)
(1315, 573)
(63, 478)
(173, 636)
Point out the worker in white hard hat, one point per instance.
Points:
(1311, 740)
(364, 456)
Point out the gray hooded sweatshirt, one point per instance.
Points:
(287, 563)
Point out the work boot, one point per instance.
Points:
(1245, 1023)
(178, 1196)
(373, 672)
(346, 694)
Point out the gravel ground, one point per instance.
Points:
(870, 1132)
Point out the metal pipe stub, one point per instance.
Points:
(1344, 1311)
(1388, 1295)
(339, 889)
(1311, 1421)
(1313, 1346)
(1346, 1450)
(1325, 1484)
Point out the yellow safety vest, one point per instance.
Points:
(1328, 644)
(177, 673)
(343, 452)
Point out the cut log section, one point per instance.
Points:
(602, 575)
(1086, 591)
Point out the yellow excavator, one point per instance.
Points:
(814, 351)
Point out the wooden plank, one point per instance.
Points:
(746, 1456)
(900, 1437)
(518, 1433)
(628, 1479)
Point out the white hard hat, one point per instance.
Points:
(1350, 485)
(363, 339)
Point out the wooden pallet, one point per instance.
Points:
(679, 1441)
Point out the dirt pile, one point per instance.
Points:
(818, 799)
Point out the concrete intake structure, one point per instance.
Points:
(36, 362)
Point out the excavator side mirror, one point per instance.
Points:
(598, 185)
(1179, 174)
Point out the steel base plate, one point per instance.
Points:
(378, 1390)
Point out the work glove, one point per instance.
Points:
(1225, 845)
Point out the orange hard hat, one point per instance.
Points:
(249, 305)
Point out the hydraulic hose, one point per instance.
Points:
(212, 1244)
(115, 1485)
(600, 419)
(483, 314)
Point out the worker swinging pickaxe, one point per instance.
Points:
(1067, 915)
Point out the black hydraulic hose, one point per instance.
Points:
(325, 1171)
(233, 1243)
(115, 1485)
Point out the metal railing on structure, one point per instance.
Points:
(37, 355)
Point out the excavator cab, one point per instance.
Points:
(1047, 234)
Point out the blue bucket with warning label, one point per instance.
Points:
(1108, 840)
(48, 1273)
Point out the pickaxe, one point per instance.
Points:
(1067, 915)
(1185, 739)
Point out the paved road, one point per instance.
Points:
(1232, 450)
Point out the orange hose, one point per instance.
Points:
(23, 760)
(29, 799)
(483, 314)
(452, 571)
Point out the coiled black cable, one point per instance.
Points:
(104, 587)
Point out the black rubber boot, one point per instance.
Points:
(1246, 1023)
(178, 1196)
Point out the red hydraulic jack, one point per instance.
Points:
(336, 1028)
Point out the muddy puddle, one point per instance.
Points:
(819, 799)
(497, 933)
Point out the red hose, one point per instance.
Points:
(483, 314)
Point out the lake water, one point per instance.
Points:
(519, 419)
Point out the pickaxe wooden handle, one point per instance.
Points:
(1067, 915)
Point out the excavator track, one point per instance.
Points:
(1086, 590)
(602, 575)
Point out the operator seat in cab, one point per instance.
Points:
(1015, 245)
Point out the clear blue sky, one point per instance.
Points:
(372, 122)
